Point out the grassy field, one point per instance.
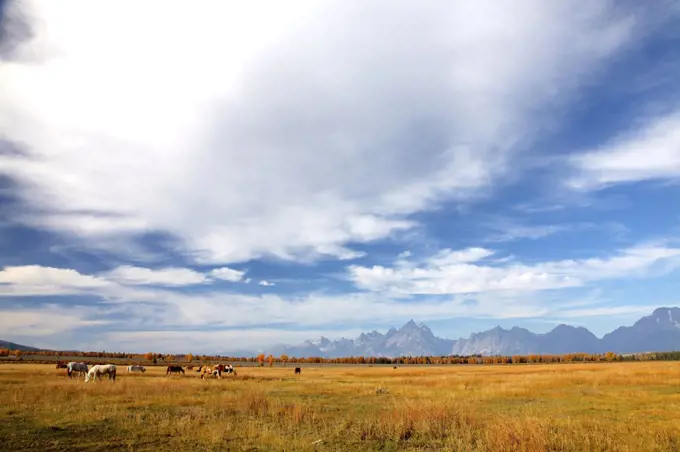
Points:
(574, 407)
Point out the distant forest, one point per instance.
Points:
(270, 360)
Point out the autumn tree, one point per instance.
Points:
(270, 360)
(17, 353)
(260, 359)
(284, 359)
(190, 357)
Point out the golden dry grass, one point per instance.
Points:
(574, 407)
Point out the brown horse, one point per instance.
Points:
(61, 365)
(174, 370)
(298, 370)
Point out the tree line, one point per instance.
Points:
(270, 360)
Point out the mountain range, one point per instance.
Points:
(657, 332)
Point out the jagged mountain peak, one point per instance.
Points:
(411, 339)
(411, 324)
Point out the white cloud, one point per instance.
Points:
(42, 281)
(170, 276)
(206, 134)
(651, 151)
(38, 280)
(266, 283)
(43, 322)
(228, 274)
(447, 273)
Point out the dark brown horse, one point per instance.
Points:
(297, 370)
(174, 370)
(61, 365)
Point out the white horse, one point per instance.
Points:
(72, 367)
(101, 369)
(136, 369)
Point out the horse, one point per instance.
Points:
(298, 370)
(61, 365)
(214, 371)
(217, 370)
(174, 370)
(74, 367)
(136, 369)
(101, 369)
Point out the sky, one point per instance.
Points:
(234, 175)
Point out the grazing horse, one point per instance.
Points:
(136, 369)
(174, 370)
(213, 371)
(101, 369)
(217, 370)
(74, 367)
(297, 370)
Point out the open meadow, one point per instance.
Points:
(566, 407)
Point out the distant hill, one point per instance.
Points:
(657, 332)
(13, 346)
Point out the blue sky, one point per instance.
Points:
(276, 172)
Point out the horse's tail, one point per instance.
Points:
(113, 375)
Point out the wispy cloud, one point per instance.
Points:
(649, 152)
(507, 231)
(445, 273)
(164, 277)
